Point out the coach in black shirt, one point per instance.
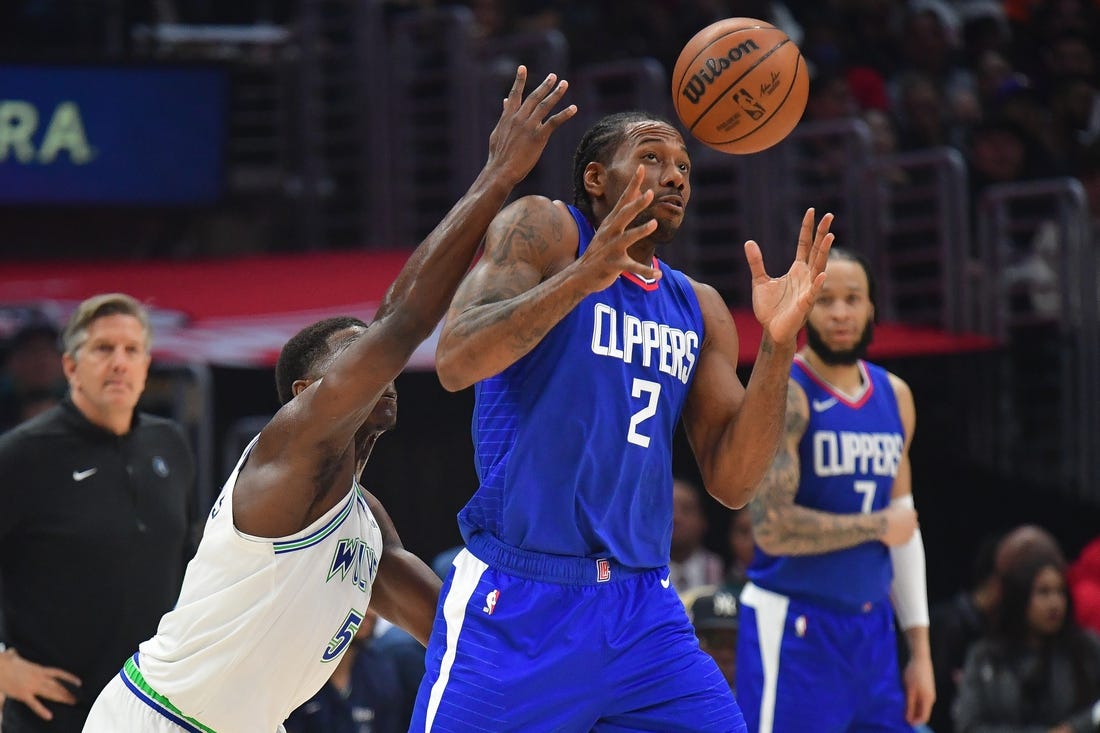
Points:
(96, 508)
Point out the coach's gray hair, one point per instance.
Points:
(100, 306)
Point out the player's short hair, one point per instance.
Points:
(599, 144)
(847, 255)
(101, 306)
(305, 350)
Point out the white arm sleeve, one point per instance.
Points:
(909, 591)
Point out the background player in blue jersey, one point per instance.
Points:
(586, 349)
(837, 539)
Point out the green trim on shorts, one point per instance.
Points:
(130, 669)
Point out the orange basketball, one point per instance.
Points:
(740, 85)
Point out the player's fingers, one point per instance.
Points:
(538, 94)
(648, 273)
(551, 100)
(805, 236)
(515, 95)
(823, 242)
(634, 234)
(554, 122)
(755, 260)
(810, 296)
(631, 200)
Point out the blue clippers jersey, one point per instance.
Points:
(849, 457)
(574, 441)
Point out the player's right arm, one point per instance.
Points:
(305, 455)
(527, 280)
(782, 527)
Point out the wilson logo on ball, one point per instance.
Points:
(740, 85)
(713, 68)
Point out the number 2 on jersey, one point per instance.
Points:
(643, 387)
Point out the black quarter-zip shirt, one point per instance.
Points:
(94, 538)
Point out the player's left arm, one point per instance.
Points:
(734, 430)
(405, 590)
(909, 591)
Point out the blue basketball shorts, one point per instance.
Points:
(802, 667)
(591, 646)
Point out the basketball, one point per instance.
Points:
(740, 85)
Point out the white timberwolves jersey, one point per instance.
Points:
(261, 623)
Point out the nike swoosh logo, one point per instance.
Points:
(823, 405)
(81, 475)
(665, 582)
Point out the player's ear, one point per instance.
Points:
(298, 385)
(595, 178)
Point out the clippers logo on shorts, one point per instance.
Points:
(491, 599)
(603, 571)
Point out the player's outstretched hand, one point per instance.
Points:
(606, 256)
(782, 304)
(525, 125)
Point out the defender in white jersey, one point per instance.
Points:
(294, 549)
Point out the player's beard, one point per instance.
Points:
(840, 357)
(665, 231)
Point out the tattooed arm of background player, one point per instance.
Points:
(529, 278)
(405, 590)
(782, 527)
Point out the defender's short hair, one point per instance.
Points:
(302, 353)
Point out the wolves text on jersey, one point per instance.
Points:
(627, 337)
(359, 557)
(844, 453)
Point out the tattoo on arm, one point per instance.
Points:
(783, 527)
(525, 240)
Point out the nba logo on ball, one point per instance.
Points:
(740, 85)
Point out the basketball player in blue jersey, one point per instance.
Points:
(838, 549)
(586, 350)
(294, 549)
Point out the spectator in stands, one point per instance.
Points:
(1038, 670)
(692, 564)
(1074, 119)
(956, 624)
(926, 118)
(741, 547)
(713, 613)
(1084, 585)
(930, 49)
(96, 507)
(32, 380)
(363, 694)
(1000, 151)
